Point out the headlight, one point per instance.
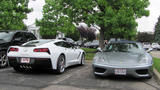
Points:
(145, 60)
(98, 59)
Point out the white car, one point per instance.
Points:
(47, 54)
(155, 46)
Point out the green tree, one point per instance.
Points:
(157, 31)
(145, 37)
(12, 13)
(115, 17)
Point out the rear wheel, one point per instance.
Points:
(3, 61)
(61, 64)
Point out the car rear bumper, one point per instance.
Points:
(35, 63)
(137, 72)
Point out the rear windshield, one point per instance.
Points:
(36, 42)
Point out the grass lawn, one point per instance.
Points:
(90, 52)
(157, 64)
(89, 56)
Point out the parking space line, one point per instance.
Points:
(5, 69)
(69, 75)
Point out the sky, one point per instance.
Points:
(145, 24)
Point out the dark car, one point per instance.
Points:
(11, 38)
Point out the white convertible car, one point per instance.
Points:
(46, 54)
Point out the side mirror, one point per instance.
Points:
(99, 49)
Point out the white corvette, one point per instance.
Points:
(46, 54)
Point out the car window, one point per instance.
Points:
(67, 45)
(64, 44)
(6, 36)
(58, 43)
(19, 36)
(29, 36)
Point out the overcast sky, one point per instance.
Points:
(145, 24)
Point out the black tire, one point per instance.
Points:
(18, 69)
(61, 64)
(82, 59)
(3, 61)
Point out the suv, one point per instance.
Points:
(11, 38)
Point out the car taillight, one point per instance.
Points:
(13, 49)
(41, 50)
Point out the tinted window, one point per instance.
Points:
(29, 36)
(59, 43)
(19, 36)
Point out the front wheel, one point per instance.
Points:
(82, 59)
(61, 64)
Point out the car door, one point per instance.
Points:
(69, 51)
(76, 52)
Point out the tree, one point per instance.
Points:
(145, 37)
(12, 13)
(114, 17)
(157, 31)
(87, 32)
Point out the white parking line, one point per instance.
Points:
(69, 75)
(5, 69)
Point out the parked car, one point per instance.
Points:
(45, 54)
(9, 38)
(94, 44)
(155, 46)
(125, 58)
(146, 46)
(87, 44)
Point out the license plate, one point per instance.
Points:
(25, 60)
(120, 71)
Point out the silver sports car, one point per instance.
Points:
(126, 58)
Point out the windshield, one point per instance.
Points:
(36, 42)
(6, 36)
(123, 47)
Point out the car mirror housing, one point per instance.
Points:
(99, 49)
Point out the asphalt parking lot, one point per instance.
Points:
(75, 78)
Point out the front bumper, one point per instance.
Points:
(134, 71)
(35, 63)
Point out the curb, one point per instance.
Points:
(157, 75)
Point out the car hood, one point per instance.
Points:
(121, 58)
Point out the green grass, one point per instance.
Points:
(89, 49)
(89, 56)
(90, 52)
(157, 63)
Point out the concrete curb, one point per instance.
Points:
(157, 75)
